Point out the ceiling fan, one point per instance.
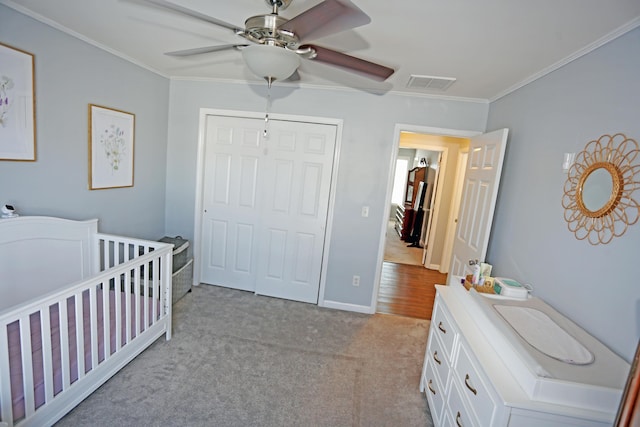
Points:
(276, 44)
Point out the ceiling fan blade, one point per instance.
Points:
(206, 49)
(328, 17)
(351, 63)
(194, 14)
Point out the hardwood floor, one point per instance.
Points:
(408, 290)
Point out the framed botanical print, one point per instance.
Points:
(111, 143)
(17, 105)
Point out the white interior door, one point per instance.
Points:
(295, 185)
(230, 217)
(480, 190)
(265, 205)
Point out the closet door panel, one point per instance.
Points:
(281, 201)
(310, 190)
(297, 182)
(230, 219)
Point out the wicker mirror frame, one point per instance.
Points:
(617, 156)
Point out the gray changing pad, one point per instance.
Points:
(591, 361)
(545, 335)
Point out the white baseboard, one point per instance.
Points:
(347, 307)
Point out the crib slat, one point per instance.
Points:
(161, 295)
(136, 299)
(166, 263)
(27, 364)
(156, 292)
(65, 362)
(117, 313)
(47, 357)
(5, 384)
(127, 308)
(79, 335)
(145, 292)
(93, 313)
(106, 320)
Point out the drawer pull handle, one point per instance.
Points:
(430, 389)
(435, 357)
(458, 419)
(466, 382)
(444, 331)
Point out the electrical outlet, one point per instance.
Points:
(356, 281)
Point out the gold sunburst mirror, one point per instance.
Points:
(598, 194)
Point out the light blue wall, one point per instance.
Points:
(364, 163)
(597, 94)
(596, 286)
(71, 74)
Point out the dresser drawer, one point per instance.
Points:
(458, 412)
(437, 357)
(446, 420)
(473, 386)
(442, 324)
(435, 393)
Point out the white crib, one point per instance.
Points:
(75, 307)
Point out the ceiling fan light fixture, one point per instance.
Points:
(271, 62)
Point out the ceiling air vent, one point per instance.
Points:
(430, 82)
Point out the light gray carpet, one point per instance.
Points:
(237, 359)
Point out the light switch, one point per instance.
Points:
(365, 211)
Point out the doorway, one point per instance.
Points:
(411, 269)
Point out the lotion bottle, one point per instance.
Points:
(475, 279)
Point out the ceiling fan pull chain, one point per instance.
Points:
(265, 134)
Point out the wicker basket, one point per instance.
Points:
(485, 289)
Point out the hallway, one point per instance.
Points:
(406, 287)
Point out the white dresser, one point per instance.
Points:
(473, 375)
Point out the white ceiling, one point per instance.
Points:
(490, 46)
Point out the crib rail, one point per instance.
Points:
(55, 351)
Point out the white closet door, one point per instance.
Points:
(479, 194)
(265, 205)
(233, 153)
(295, 186)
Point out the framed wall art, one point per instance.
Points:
(17, 105)
(111, 142)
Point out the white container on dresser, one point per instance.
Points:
(474, 374)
